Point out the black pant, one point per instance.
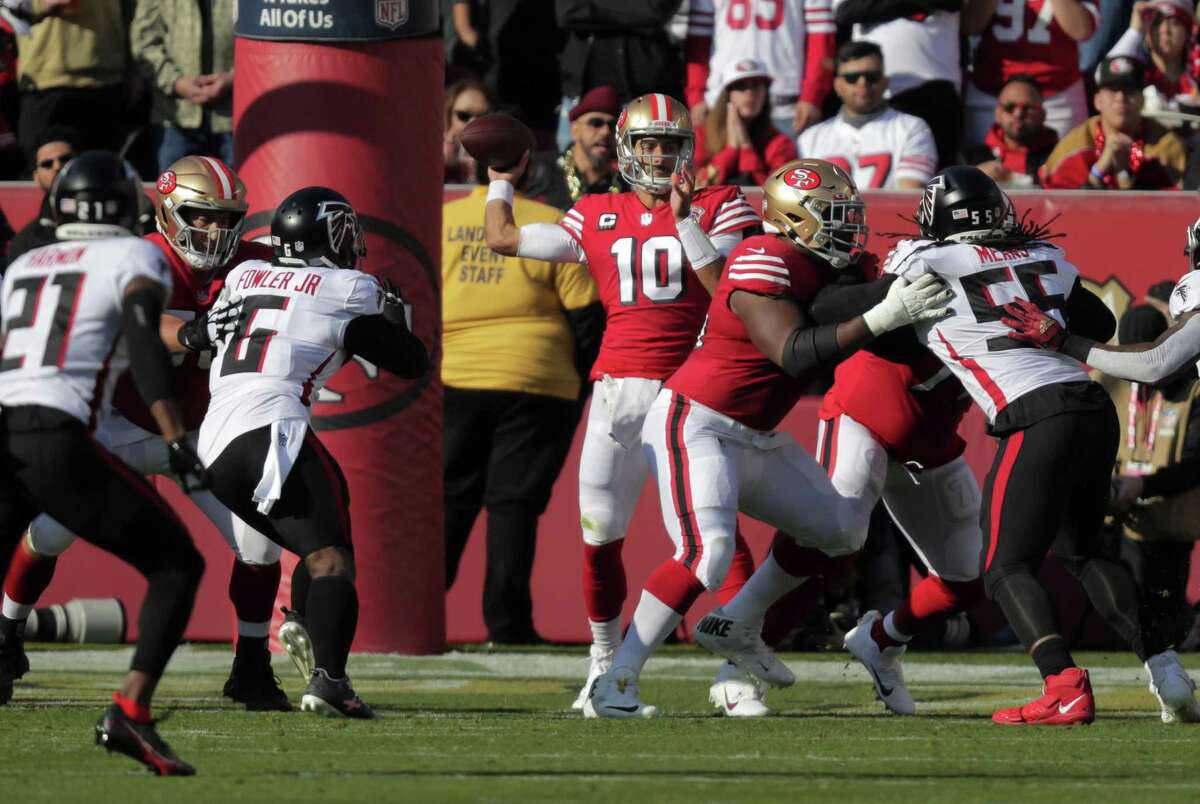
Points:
(938, 104)
(503, 450)
(49, 463)
(313, 510)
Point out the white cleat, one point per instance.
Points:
(741, 643)
(738, 694)
(601, 664)
(615, 694)
(1173, 687)
(883, 665)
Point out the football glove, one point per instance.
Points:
(909, 303)
(206, 330)
(393, 303)
(1029, 324)
(186, 465)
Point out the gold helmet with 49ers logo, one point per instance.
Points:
(661, 117)
(815, 204)
(200, 208)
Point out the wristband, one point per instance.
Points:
(699, 249)
(500, 190)
(1098, 175)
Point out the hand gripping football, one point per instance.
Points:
(497, 140)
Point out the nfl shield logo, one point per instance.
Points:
(647, 218)
(391, 14)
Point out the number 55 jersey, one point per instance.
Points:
(973, 342)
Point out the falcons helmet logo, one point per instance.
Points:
(341, 223)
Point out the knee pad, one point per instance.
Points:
(254, 548)
(598, 528)
(713, 564)
(48, 538)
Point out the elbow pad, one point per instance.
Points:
(148, 359)
(808, 348)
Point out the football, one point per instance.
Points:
(497, 140)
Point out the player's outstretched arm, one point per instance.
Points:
(385, 339)
(500, 228)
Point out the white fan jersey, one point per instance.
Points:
(287, 344)
(972, 341)
(770, 31)
(877, 154)
(62, 322)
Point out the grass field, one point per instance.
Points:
(495, 727)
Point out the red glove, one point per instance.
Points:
(1031, 325)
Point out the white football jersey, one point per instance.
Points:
(916, 49)
(878, 154)
(770, 31)
(62, 322)
(972, 341)
(288, 343)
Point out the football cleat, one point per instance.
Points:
(882, 663)
(601, 663)
(252, 682)
(615, 694)
(741, 643)
(1173, 687)
(293, 635)
(13, 664)
(334, 698)
(139, 741)
(735, 693)
(1066, 701)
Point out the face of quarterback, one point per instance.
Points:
(658, 155)
(1019, 112)
(860, 83)
(1120, 108)
(595, 136)
(748, 97)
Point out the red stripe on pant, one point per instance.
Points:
(335, 480)
(681, 487)
(1012, 446)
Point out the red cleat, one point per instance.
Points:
(1066, 701)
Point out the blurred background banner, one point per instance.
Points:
(336, 20)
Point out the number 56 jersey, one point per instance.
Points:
(288, 342)
(62, 321)
(973, 342)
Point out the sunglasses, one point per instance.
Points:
(599, 122)
(46, 164)
(467, 117)
(1012, 107)
(872, 76)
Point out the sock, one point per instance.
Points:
(670, 591)
(28, 576)
(301, 580)
(1027, 607)
(740, 569)
(930, 602)
(252, 590)
(1110, 588)
(786, 566)
(887, 637)
(12, 616)
(606, 635)
(332, 613)
(137, 712)
(1051, 656)
(786, 614)
(604, 588)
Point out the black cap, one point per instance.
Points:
(1121, 72)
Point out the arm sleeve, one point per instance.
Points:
(1154, 365)
(149, 362)
(819, 47)
(552, 242)
(1130, 44)
(147, 41)
(697, 49)
(918, 156)
(1088, 316)
(389, 346)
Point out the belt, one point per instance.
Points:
(784, 100)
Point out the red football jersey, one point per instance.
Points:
(1024, 37)
(727, 372)
(654, 305)
(192, 293)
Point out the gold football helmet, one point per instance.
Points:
(816, 205)
(197, 186)
(659, 116)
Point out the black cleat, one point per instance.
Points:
(116, 732)
(253, 683)
(334, 698)
(13, 664)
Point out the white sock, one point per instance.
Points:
(255, 630)
(768, 583)
(653, 621)
(606, 635)
(889, 627)
(14, 610)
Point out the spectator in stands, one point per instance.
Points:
(737, 143)
(57, 147)
(519, 338)
(185, 49)
(72, 69)
(921, 46)
(794, 40)
(880, 147)
(1030, 37)
(1113, 14)
(588, 164)
(1117, 149)
(1161, 33)
(1019, 142)
(618, 42)
(465, 101)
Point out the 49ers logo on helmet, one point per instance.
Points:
(166, 182)
(621, 119)
(803, 179)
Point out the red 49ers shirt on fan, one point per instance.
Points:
(62, 318)
(193, 292)
(654, 305)
(1024, 37)
(727, 372)
(878, 153)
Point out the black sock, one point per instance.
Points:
(301, 580)
(10, 627)
(1052, 656)
(255, 647)
(332, 614)
(1110, 588)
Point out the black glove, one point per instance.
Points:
(393, 304)
(206, 330)
(186, 465)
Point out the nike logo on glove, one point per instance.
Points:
(1062, 710)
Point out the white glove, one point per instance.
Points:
(909, 303)
(222, 318)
